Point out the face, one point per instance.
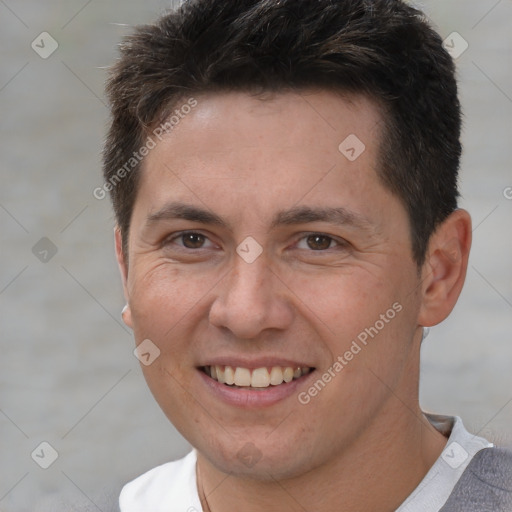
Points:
(265, 246)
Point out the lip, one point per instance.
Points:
(254, 398)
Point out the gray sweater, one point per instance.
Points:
(485, 485)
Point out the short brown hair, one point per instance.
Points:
(384, 49)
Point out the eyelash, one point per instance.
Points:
(339, 242)
(181, 234)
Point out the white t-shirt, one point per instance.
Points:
(172, 487)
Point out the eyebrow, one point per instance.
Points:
(177, 210)
(306, 214)
(294, 215)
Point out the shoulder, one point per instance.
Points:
(485, 485)
(174, 482)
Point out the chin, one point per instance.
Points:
(259, 459)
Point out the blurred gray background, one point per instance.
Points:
(68, 376)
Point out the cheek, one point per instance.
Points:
(363, 322)
(170, 389)
(340, 304)
(165, 297)
(168, 306)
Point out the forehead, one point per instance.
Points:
(230, 120)
(264, 151)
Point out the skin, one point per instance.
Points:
(244, 159)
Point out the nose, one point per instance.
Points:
(251, 299)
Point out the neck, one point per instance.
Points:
(377, 473)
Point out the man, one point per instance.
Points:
(284, 178)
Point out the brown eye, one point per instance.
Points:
(193, 240)
(319, 242)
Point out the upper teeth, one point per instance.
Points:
(257, 378)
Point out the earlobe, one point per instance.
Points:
(444, 270)
(126, 315)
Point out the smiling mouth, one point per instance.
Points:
(257, 378)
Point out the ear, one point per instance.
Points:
(123, 268)
(444, 270)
